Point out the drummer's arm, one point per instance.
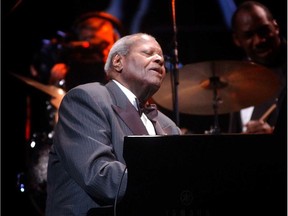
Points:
(57, 73)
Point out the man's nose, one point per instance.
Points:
(258, 38)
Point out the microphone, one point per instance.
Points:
(83, 44)
(80, 45)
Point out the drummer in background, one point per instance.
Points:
(257, 33)
(76, 57)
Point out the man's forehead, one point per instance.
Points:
(254, 15)
(146, 41)
(247, 20)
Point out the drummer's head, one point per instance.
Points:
(256, 32)
(97, 24)
(99, 29)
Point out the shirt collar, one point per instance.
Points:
(131, 97)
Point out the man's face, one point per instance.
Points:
(96, 30)
(256, 35)
(143, 67)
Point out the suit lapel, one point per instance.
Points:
(131, 118)
(125, 110)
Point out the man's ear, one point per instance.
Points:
(276, 26)
(117, 63)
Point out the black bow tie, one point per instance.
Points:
(150, 110)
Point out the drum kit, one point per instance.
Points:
(237, 85)
(205, 88)
(217, 87)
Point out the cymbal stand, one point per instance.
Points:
(216, 83)
(175, 72)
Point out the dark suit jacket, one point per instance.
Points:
(85, 163)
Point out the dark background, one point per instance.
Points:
(202, 35)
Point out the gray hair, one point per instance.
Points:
(121, 47)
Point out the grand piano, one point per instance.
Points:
(207, 175)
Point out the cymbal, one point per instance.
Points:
(56, 93)
(237, 85)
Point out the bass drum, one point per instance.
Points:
(37, 163)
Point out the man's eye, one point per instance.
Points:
(264, 31)
(148, 53)
(247, 35)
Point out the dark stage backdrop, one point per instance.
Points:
(202, 36)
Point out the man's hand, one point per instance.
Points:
(258, 127)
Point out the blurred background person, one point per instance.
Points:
(258, 34)
(73, 58)
(78, 57)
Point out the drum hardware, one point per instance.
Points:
(219, 87)
(56, 93)
(239, 85)
(37, 162)
(21, 183)
(174, 75)
(34, 180)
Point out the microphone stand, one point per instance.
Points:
(175, 71)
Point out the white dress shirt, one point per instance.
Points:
(132, 98)
(246, 114)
